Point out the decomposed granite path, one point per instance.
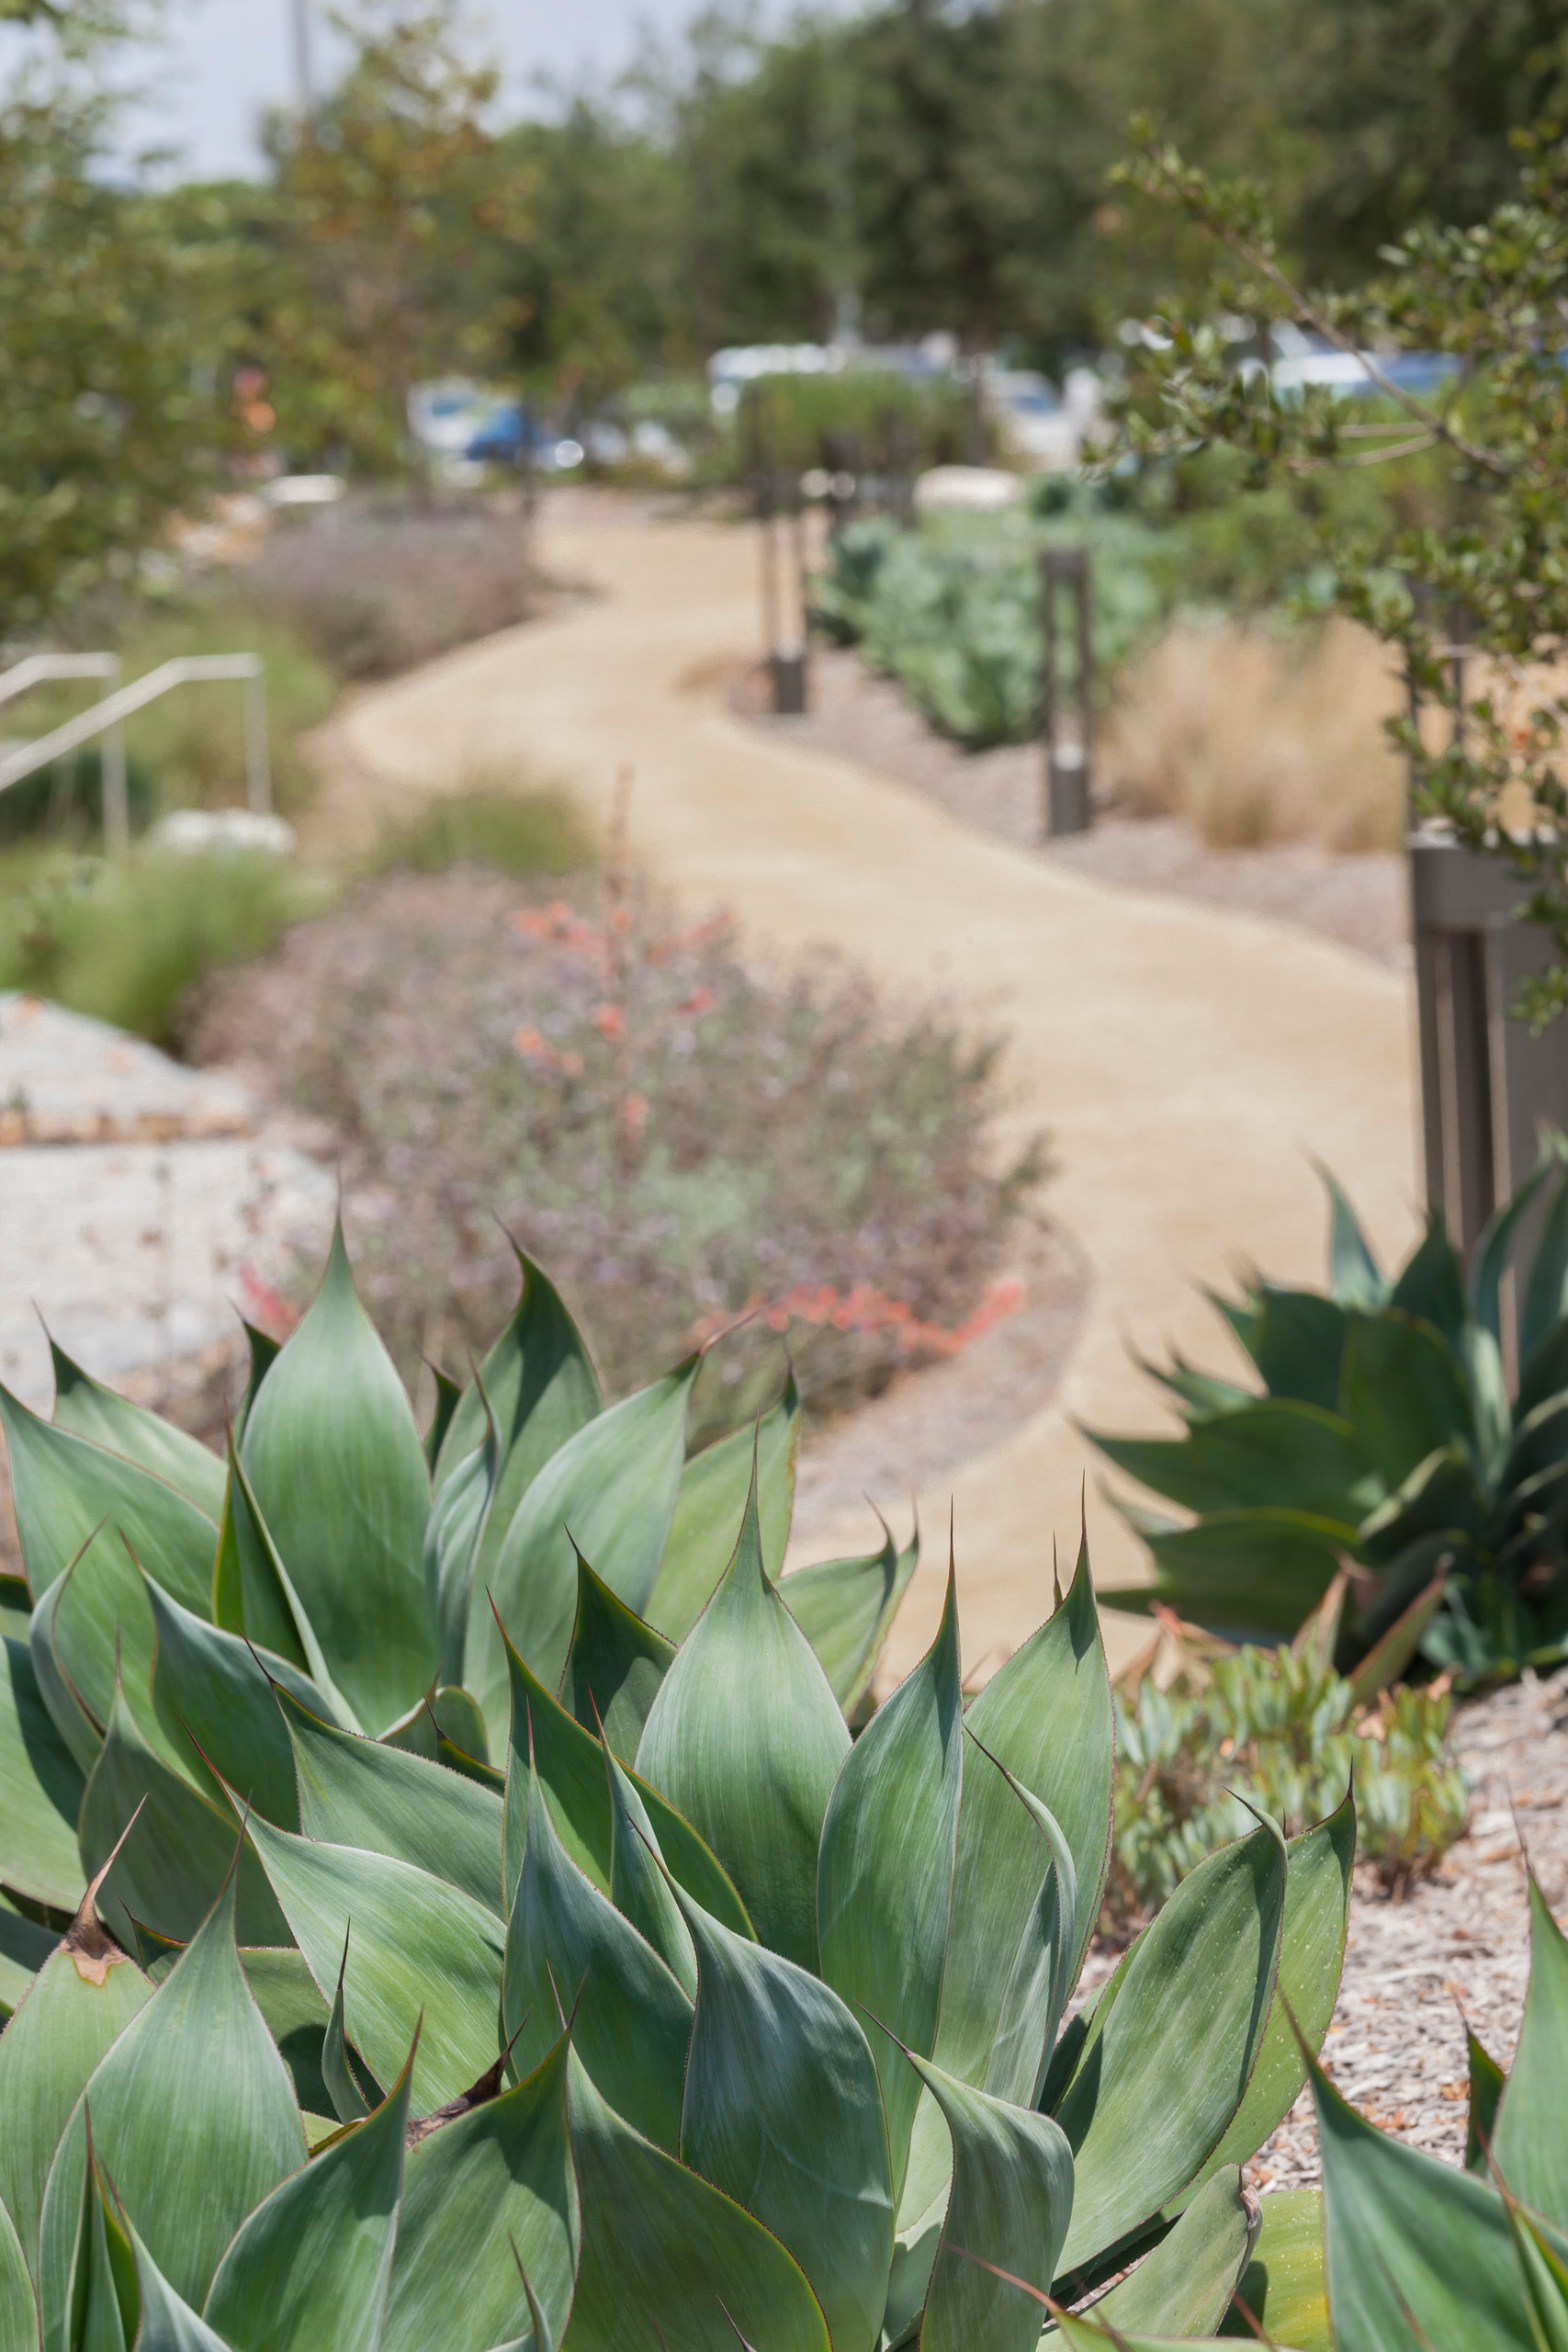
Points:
(1186, 1060)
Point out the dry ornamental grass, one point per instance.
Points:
(1257, 735)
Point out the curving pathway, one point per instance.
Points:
(1186, 1060)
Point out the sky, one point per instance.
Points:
(221, 62)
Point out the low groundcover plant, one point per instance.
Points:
(622, 1996)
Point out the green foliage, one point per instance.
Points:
(1386, 1430)
(1492, 570)
(108, 430)
(510, 832)
(716, 2020)
(1279, 1731)
(124, 942)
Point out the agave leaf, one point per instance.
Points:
(1494, 1245)
(639, 1888)
(1311, 1953)
(68, 1710)
(1486, 2086)
(265, 1352)
(310, 2265)
(663, 2249)
(253, 1595)
(18, 2305)
(212, 1695)
(355, 1792)
(708, 1509)
(451, 1545)
(783, 2112)
(335, 1466)
(64, 1488)
(168, 2323)
(1013, 2192)
(288, 1998)
(1405, 1391)
(1271, 1451)
(1355, 1277)
(1431, 1283)
(1283, 2285)
(541, 1389)
(886, 1855)
(348, 2101)
(611, 1490)
(1167, 2059)
(1545, 2277)
(92, 1627)
(1040, 1980)
(419, 1945)
(567, 1946)
(745, 1739)
(570, 1766)
(1184, 2286)
(846, 1608)
(43, 1789)
(1543, 1293)
(1298, 1344)
(1260, 1570)
(1411, 2244)
(460, 1726)
(24, 1947)
(79, 2003)
(1047, 1717)
(102, 2305)
(446, 1396)
(1530, 2145)
(189, 2144)
(85, 1407)
(170, 1871)
(614, 1666)
(488, 2192)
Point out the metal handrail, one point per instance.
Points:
(39, 668)
(110, 714)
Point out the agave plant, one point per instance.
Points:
(1398, 2249)
(687, 2018)
(1386, 1434)
(360, 1568)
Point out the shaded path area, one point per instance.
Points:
(1185, 1059)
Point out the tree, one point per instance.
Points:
(378, 206)
(112, 418)
(1494, 297)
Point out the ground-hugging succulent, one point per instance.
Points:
(1387, 1431)
(688, 2017)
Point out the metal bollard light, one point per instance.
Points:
(1064, 579)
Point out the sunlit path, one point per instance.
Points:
(1185, 1061)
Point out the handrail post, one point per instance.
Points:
(258, 763)
(116, 792)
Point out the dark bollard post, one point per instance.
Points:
(1064, 743)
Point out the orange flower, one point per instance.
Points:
(611, 1022)
(699, 1002)
(532, 1046)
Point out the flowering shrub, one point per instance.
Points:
(659, 1123)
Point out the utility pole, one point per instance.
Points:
(300, 17)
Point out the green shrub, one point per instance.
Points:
(124, 942)
(1387, 1430)
(659, 2007)
(1277, 1730)
(683, 1136)
(508, 832)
